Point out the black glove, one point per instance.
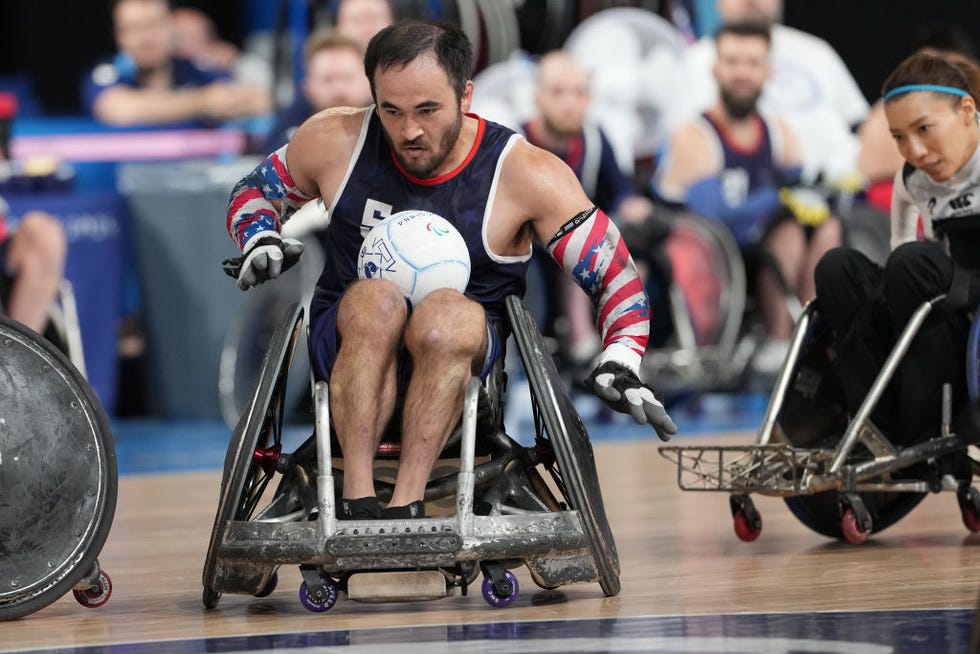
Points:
(621, 389)
(266, 259)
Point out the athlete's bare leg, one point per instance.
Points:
(786, 244)
(447, 338)
(371, 320)
(36, 257)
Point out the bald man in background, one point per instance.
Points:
(562, 127)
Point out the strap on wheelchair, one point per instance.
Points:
(958, 297)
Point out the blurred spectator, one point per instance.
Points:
(562, 100)
(811, 88)
(879, 159)
(362, 19)
(146, 83)
(32, 261)
(729, 165)
(334, 78)
(195, 40)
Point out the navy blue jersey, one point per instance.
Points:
(121, 71)
(591, 157)
(745, 171)
(376, 187)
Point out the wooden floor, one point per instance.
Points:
(678, 552)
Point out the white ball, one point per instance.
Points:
(418, 251)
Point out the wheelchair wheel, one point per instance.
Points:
(58, 479)
(560, 430)
(709, 270)
(251, 330)
(813, 416)
(255, 445)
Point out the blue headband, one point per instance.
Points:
(952, 90)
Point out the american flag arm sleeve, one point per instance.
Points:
(263, 200)
(590, 249)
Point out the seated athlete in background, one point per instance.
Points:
(730, 165)
(32, 261)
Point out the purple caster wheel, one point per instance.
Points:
(270, 586)
(322, 603)
(500, 601)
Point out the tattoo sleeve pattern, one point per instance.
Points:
(590, 249)
(263, 200)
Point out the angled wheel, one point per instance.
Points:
(57, 473)
(255, 446)
(814, 416)
(251, 330)
(564, 441)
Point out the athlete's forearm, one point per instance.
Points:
(263, 200)
(591, 250)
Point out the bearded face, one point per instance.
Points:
(739, 105)
(741, 70)
(423, 156)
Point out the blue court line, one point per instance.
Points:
(865, 632)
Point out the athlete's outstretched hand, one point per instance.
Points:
(621, 389)
(266, 259)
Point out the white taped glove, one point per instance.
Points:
(266, 259)
(622, 390)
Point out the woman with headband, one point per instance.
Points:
(931, 107)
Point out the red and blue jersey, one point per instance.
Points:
(376, 186)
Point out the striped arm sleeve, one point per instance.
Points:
(263, 200)
(590, 249)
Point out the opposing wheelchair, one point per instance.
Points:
(536, 504)
(57, 478)
(839, 475)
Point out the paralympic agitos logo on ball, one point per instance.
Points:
(418, 251)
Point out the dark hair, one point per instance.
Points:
(403, 42)
(955, 72)
(745, 28)
(944, 36)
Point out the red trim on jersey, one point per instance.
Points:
(432, 181)
(726, 135)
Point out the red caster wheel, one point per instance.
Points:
(970, 518)
(747, 529)
(95, 596)
(854, 532)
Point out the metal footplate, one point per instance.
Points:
(387, 541)
(764, 469)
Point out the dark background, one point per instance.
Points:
(873, 36)
(55, 42)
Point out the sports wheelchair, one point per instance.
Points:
(57, 478)
(537, 505)
(838, 474)
(716, 329)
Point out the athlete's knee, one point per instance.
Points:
(372, 306)
(446, 323)
(834, 269)
(43, 236)
(918, 271)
